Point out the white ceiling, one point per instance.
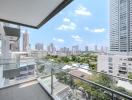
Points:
(28, 12)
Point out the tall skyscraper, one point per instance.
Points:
(51, 48)
(65, 51)
(86, 48)
(95, 48)
(121, 26)
(75, 50)
(25, 41)
(39, 46)
(102, 49)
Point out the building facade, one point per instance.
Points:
(118, 65)
(121, 26)
(39, 46)
(75, 50)
(25, 41)
(14, 45)
(86, 48)
(51, 48)
(96, 48)
(64, 51)
(119, 62)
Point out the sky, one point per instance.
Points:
(83, 22)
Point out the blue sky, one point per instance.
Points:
(83, 22)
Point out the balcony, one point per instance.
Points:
(50, 81)
(19, 81)
(24, 91)
(123, 70)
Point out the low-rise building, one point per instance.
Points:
(118, 65)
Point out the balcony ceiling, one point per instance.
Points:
(30, 13)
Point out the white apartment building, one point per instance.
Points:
(119, 62)
(118, 65)
(121, 26)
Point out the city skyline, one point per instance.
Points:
(41, 46)
(66, 29)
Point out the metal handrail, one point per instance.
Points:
(75, 67)
(112, 91)
(104, 88)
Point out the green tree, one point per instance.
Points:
(65, 59)
(73, 58)
(64, 78)
(93, 66)
(104, 80)
(41, 68)
(130, 75)
(94, 92)
(121, 89)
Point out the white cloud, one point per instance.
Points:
(66, 20)
(97, 30)
(77, 38)
(86, 29)
(81, 10)
(58, 40)
(67, 25)
(70, 26)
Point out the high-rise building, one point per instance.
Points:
(65, 50)
(102, 49)
(86, 48)
(95, 48)
(116, 63)
(75, 50)
(51, 48)
(39, 46)
(121, 26)
(106, 49)
(25, 41)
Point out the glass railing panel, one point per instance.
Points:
(120, 84)
(14, 71)
(74, 83)
(100, 86)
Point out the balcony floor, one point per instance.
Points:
(26, 91)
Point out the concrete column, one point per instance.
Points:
(4, 52)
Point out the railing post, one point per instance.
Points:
(51, 81)
(112, 96)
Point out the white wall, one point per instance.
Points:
(103, 64)
(1, 76)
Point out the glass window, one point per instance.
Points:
(110, 59)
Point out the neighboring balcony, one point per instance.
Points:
(123, 71)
